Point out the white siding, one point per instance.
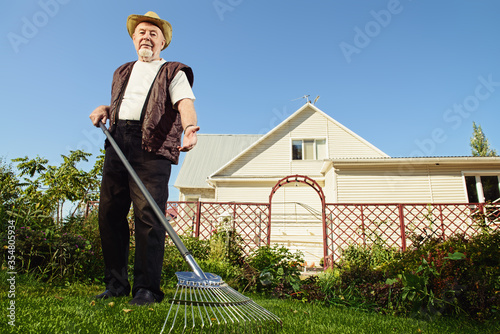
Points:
(203, 194)
(343, 143)
(244, 192)
(420, 184)
(448, 186)
(330, 187)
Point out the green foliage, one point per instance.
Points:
(426, 298)
(55, 255)
(374, 256)
(479, 143)
(221, 255)
(278, 269)
(226, 244)
(48, 246)
(456, 276)
(44, 188)
(9, 191)
(230, 273)
(173, 261)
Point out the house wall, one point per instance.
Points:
(404, 184)
(203, 194)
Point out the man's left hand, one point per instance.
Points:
(190, 139)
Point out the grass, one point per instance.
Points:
(42, 308)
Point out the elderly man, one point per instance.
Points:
(151, 107)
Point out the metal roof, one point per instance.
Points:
(211, 153)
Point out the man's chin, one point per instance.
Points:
(146, 54)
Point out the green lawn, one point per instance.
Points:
(47, 309)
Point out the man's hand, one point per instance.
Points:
(100, 113)
(189, 120)
(190, 139)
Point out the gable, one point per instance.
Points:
(271, 156)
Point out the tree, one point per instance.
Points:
(479, 143)
(9, 192)
(45, 188)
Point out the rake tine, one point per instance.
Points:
(192, 308)
(207, 298)
(221, 309)
(237, 314)
(251, 305)
(201, 315)
(208, 292)
(256, 311)
(232, 309)
(185, 310)
(169, 310)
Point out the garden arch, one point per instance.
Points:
(316, 187)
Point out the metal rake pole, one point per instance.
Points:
(197, 288)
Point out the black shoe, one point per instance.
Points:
(143, 297)
(107, 294)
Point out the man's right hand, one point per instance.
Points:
(99, 114)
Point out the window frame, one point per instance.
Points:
(315, 148)
(479, 184)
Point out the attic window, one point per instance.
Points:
(308, 149)
(483, 188)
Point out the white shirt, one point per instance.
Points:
(139, 83)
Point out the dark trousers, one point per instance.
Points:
(118, 191)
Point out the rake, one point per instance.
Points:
(203, 301)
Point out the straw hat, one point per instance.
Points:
(151, 17)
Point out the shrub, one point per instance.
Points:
(174, 262)
(55, 256)
(278, 268)
(230, 273)
(310, 290)
(227, 245)
(438, 280)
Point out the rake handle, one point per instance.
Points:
(161, 216)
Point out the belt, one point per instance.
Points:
(128, 122)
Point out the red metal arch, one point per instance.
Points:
(299, 179)
(313, 184)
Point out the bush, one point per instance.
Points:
(310, 290)
(227, 245)
(230, 273)
(54, 255)
(174, 262)
(435, 277)
(278, 269)
(459, 275)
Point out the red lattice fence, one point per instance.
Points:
(200, 219)
(396, 225)
(345, 224)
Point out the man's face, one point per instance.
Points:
(148, 41)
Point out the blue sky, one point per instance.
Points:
(409, 76)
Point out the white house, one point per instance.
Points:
(244, 168)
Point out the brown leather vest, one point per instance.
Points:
(161, 123)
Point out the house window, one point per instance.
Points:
(308, 149)
(483, 188)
